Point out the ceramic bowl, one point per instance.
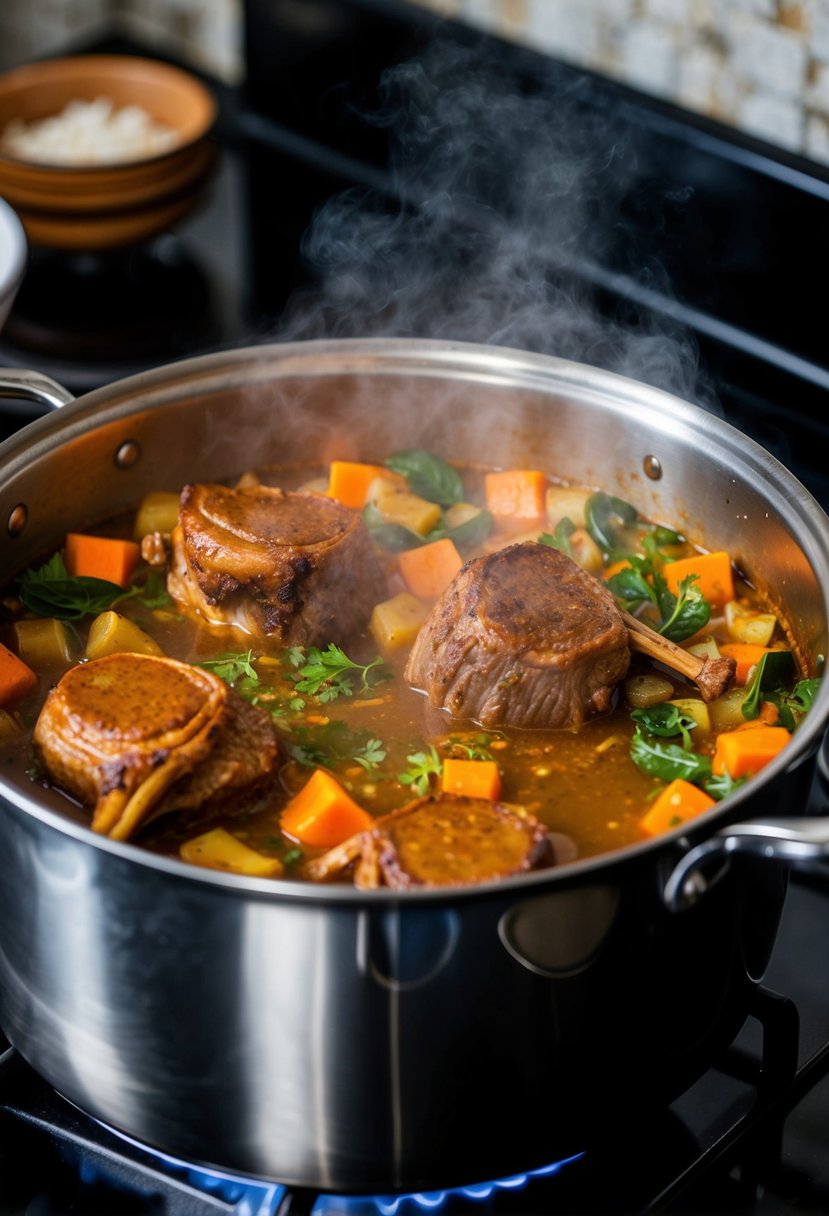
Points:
(80, 203)
(13, 257)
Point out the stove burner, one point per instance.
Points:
(251, 1198)
(118, 310)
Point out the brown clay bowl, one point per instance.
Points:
(101, 205)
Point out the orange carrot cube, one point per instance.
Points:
(517, 497)
(101, 557)
(742, 753)
(746, 655)
(323, 814)
(16, 677)
(680, 800)
(715, 576)
(474, 778)
(349, 480)
(428, 570)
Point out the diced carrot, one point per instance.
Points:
(746, 655)
(16, 677)
(615, 567)
(100, 557)
(475, 778)
(716, 580)
(744, 752)
(516, 497)
(679, 801)
(323, 814)
(348, 481)
(428, 570)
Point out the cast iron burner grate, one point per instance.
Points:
(714, 1150)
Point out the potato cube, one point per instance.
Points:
(10, 727)
(157, 512)
(43, 643)
(111, 633)
(409, 511)
(395, 623)
(219, 850)
(727, 711)
(566, 502)
(748, 624)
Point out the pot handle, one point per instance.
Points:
(790, 840)
(33, 386)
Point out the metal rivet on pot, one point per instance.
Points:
(18, 518)
(653, 467)
(128, 454)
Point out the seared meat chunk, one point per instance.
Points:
(135, 735)
(522, 637)
(289, 565)
(440, 840)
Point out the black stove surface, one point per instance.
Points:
(644, 240)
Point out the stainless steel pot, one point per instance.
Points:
(384, 1040)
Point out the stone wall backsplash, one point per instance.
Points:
(759, 65)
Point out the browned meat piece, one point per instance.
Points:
(444, 840)
(296, 567)
(522, 637)
(120, 732)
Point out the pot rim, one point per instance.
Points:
(238, 367)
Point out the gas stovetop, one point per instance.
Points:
(685, 268)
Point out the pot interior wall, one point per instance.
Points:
(303, 405)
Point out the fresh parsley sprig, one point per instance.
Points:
(232, 666)
(422, 767)
(330, 673)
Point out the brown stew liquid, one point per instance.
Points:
(384, 743)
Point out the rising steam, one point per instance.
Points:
(507, 210)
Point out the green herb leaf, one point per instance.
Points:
(422, 767)
(772, 672)
(232, 666)
(560, 538)
(330, 673)
(631, 588)
(667, 760)
(428, 475)
(666, 721)
(49, 591)
(151, 593)
(682, 615)
(372, 755)
(606, 519)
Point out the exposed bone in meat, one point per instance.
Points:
(444, 840)
(136, 735)
(711, 676)
(284, 564)
(522, 637)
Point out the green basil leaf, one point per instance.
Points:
(666, 720)
(465, 535)
(667, 760)
(394, 537)
(428, 475)
(631, 588)
(772, 672)
(606, 517)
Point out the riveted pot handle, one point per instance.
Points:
(33, 386)
(790, 840)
